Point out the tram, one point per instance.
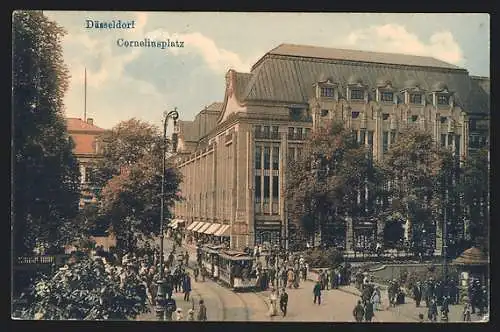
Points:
(236, 270)
(210, 258)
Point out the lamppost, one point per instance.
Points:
(160, 297)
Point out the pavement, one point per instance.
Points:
(408, 309)
(225, 305)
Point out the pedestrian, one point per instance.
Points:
(178, 314)
(202, 312)
(375, 299)
(273, 301)
(417, 293)
(420, 317)
(358, 312)
(170, 307)
(196, 272)
(186, 258)
(317, 293)
(290, 276)
(433, 311)
(445, 308)
(466, 315)
(203, 273)
(186, 287)
(283, 301)
(369, 311)
(190, 316)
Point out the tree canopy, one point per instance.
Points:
(46, 186)
(131, 172)
(324, 184)
(87, 289)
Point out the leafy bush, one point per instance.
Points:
(88, 290)
(323, 258)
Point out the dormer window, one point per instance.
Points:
(327, 92)
(416, 98)
(387, 96)
(356, 94)
(443, 99)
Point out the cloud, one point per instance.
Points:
(396, 39)
(218, 59)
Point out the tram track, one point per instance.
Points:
(217, 296)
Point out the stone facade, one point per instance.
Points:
(236, 172)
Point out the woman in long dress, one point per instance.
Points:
(375, 299)
(273, 302)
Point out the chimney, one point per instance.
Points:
(90, 121)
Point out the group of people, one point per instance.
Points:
(176, 279)
(273, 302)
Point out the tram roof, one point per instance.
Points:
(235, 255)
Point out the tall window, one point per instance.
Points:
(291, 131)
(443, 100)
(324, 113)
(266, 186)
(443, 139)
(308, 132)
(370, 140)
(385, 141)
(362, 137)
(267, 157)
(387, 96)
(415, 98)
(291, 154)
(89, 175)
(275, 187)
(267, 132)
(276, 157)
(258, 157)
(258, 188)
(457, 145)
(274, 132)
(326, 92)
(393, 137)
(356, 94)
(450, 140)
(299, 152)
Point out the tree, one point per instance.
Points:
(131, 197)
(474, 189)
(46, 186)
(87, 289)
(413, 166)
(327, 181)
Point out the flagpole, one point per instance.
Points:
(85, 97)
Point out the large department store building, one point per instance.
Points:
(234, 154)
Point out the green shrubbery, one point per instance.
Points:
(323, 257)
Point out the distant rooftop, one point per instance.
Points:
(215, 106)
(77, 124)
(358, 56)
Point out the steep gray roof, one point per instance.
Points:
(307, 51)
(289, 78)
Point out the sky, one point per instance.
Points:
(142, 83)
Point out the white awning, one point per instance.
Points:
(223, 231)
(213, 228)
(200, 225)
(204, 227)
(192, 225)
